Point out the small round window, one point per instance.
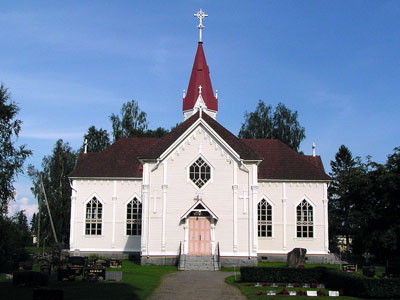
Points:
(200, 172)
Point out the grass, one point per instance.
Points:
(251, 291)
(138, 283)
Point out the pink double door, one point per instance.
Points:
(199, 236)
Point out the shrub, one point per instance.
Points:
(364, 287)
(31, 278)
(265, 274)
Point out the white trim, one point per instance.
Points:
(234, 254)
(286, 252)
(186, 214)
(106, 249)
(284, 199)
(305, 197)
(73, 213)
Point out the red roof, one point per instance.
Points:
(122, 158)
(200, 76)
(282, 162)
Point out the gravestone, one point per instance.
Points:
(114, 276)
(368, 271)
(93, 274)
(333, 294)
(320, 285)
(45, 268)
(66, 274)
(296, 257)
(292, 293)
(271, 293)
(312, 293)
(115, 263)
(349, 268)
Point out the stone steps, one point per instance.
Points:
(198, 262)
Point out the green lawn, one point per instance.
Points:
(138, 283)
(251, 292)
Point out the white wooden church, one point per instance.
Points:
(199, 192)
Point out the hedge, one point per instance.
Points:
(351, 284)
(364, 287)
(293, 275)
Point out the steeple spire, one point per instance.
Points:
(199, 92)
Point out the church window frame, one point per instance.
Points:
(265, 218)
(129, 217)
(93, 219)
(305, 219)
(189, 173)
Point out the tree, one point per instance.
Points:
(55, 169)
(131, 123)
(12, 157)
(97, 140)
(282, 124)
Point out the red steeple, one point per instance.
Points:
(200, 77)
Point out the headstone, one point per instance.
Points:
(66, 274)
(320, 286)
(274, 285)
(368, 271)
(292, 293)
(114, 276)
(296, 257)
(306, 286)
(77, 261)
(271, 293)
(350, 268)
(94, 273)
(290, 285)
(45, 294)
(257, 284)
(312, 293)
(333, 294)
(45, 268)
(115, 263)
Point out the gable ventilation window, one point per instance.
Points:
(94, 211)
(134, 217)
(264, 219)
(305, 220)
(200, 172)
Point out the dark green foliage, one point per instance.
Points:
(11, 157)
(15, 236)
(97, 140)
(31, 278)
(55, 169)
(278, 275)
(351, 284)
(133, 123)
(358, 286)
(282, 124)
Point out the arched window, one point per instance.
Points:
(134, 217)
(305, 220)
(94, 212)
(264, 219)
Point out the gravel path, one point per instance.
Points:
(196, 285)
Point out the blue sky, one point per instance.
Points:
(70, 64)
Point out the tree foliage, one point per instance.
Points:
(131, 123)
(281, 124)
(55, 169)
(97, 140)
(364, 203)
(12, 157)
(15, 236)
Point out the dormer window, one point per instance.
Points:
(200, 172)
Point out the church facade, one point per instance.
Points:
(199, 190)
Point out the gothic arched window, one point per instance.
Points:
(305, 220)
(134, 217)
(94, 212)
(264, 219)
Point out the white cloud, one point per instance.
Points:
(22, 204)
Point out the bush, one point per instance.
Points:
(31, 278)
(364, 287)
(265, 274)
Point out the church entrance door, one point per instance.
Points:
(199, 236)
